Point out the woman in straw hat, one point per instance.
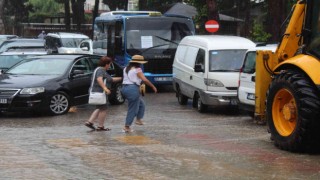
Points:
(132, 78)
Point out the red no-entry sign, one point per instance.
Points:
(212, 26)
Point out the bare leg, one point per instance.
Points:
(94, 116)
(101, 117)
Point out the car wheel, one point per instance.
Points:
(116, 95)
(182, 99)
(59, 104)
(200, 106)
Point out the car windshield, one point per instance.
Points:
(41, 67)
(226, 60)
(71, 42)
(7, 61)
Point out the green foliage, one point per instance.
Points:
(46, 7)
(201, 17)
(258, 33)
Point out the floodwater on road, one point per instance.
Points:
(176, 142)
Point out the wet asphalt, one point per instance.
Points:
(176, 142)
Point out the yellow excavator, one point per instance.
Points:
(288, 82)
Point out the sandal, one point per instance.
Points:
(139, 122)
(90, 125)
(127, 130)
(103, 129)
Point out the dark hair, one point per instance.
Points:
(104, 60)
(130, 65)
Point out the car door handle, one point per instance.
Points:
(190, 77)
(253, 79)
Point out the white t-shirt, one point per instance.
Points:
(132, 77)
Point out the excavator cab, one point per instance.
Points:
(288, 82)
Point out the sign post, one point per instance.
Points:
(212, 26)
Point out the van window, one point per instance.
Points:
(200, 58)
(226, 60)
(191, 55)
(181, 52)
(71, 42)
(250, 63)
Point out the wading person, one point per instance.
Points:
(101, 76)
(132, 79)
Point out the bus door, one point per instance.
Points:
(116, 41)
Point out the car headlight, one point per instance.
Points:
(35, 90)
(213, 82)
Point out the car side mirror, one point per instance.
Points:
(198, 68)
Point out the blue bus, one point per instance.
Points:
(122, 34)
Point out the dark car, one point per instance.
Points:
(52, 83)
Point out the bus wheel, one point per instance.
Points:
(293, 106)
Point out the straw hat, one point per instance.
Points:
(138, 59)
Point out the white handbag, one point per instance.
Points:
(96, 98)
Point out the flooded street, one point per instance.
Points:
(176, 142)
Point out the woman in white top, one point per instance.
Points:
(132, 79)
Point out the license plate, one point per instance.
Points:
(163, 79)
(3, 101)
(251, 96)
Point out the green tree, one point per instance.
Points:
(14, 13)
(43, 9)
(258, 33)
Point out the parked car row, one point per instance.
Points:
(210, 70)
(216, 71)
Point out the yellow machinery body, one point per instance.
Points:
(287, 86)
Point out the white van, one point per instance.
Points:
(246, 89)
(206, 69)
(63, 42)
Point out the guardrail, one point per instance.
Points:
(33, 29)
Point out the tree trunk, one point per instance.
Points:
(67, 15)
(277, 14)
(94, 15)
(80, 13)
(212, 10)
(1, 17)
